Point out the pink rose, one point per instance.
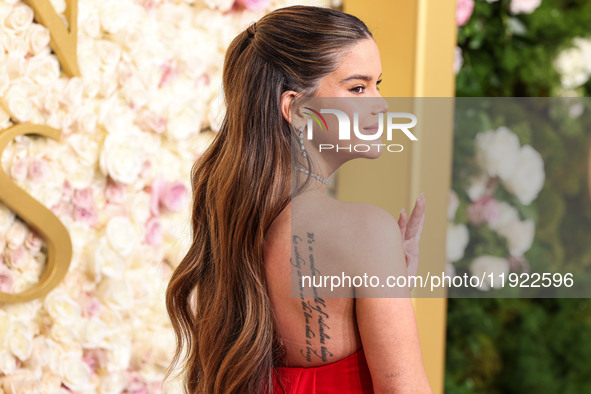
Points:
(153, 229)
(524, 6)
(169, 72)
(95, 358)
(173, 196)
(91, 305)
(6, 278)
(33, 242)
(150, 121)
(156, 190)
(135, 383)
(464, 10)
(170, 195)
(483, 210)
(253, 5)
(37, 170)
(86, 215)
(16, 257)
(19, 170)
(115, 192)
(67, 191)
(83, 198)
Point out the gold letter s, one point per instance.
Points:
(63, 40)
(41, 219)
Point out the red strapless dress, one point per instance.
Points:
(349, 375)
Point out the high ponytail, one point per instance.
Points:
(217, 298)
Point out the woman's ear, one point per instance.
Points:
(290, 113)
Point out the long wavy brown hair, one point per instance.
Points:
(217, 297)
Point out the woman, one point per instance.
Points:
(238, 328)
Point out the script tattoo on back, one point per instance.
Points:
(314, 310)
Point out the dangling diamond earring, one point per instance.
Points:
(301, 137)
(304, 154)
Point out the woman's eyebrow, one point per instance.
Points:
(365, 78)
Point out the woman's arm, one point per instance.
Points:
(387, 326)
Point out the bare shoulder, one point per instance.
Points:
(359, 221)
(370, 235)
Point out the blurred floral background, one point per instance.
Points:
(520, 199)
(146, 104)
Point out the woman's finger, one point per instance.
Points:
(402, 223)
(416, 218)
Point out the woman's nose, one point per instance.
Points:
(381, 105)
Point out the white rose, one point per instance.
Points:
(115, 294)
(90, 23)
(76, 374)
(21, 381)
(524, 6)
(88, 61)
(140, 209)
(103, 260)
(573, 67)
(456, 241)
(54, 354)
(6, 218)
(19, 19)
(66, 333)
(121, 235)
(51, 383)
(115, 15)
(584, 45)
(485, 265)
(59, 6)
(72, 95)
(94, 333)
(109, 53)
(183, 123)
(16, 234)
(519, 235)
(497, 152)
(119, 356)
(86, 148)
(51, 189)
(528, 177)
(121, 159)
(143, 288)
(38, 38)
(113, 383)
(13, 66)
(79, 176)
(7, 362)
(18, 103)
(61, 307)
(507, 215)
(477, 186)
(452, 205)
(43, 69)
(20, 340)
(86, 120)
(23, 311)
(167, 159)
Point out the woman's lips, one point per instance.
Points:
(373, 127)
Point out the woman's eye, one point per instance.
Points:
(356, 89)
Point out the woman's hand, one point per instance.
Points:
(411, 230)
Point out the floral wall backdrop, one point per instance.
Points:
(520, 198)
(146, 105)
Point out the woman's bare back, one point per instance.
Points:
(314, 330)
